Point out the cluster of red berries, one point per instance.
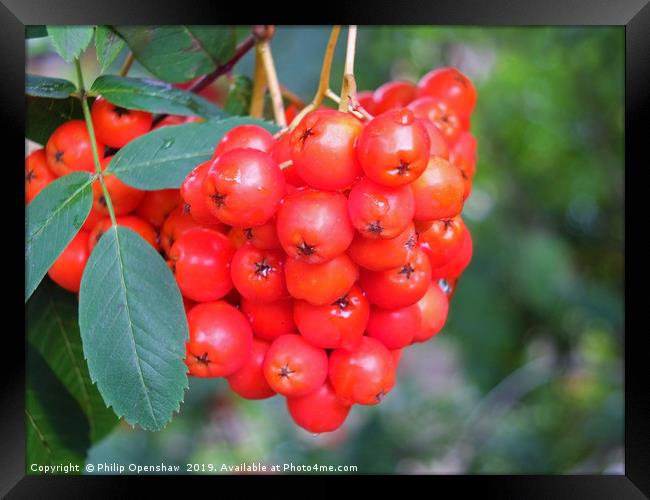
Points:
(308, 261)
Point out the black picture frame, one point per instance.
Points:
(634, 15)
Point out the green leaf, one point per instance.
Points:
(133, 328)
(239, 96)
(162, 158)
(52, 219)
(179, 53)
(43, 86)
(44, 115)
(70, 41)
(108, 46)
(57, 429)
(153, 96)
(52, 329)
(35, 31)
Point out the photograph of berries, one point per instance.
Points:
(335, 249)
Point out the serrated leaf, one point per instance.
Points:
(179, 53)
(35, 31)
(52, 329)
(70, 41)
(239, 96)
(153, 96)
(44, 115)
(108, 46)
(57, 429)
(133, 329)
(43, 86)
(162, 158)
(52, 219)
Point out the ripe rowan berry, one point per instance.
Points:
(140, 226)
(367, 101)
(439, 146)
(319, 411)
(194, 197)
(394, 328)
(314, 226)
(69, 150)
(259, 274)
(382, 254)
(322, 149)
(393, 148)
(400, 286)
(68, 268)
(116, 126)
(269, 320)
(330, 326)
(320, 284)
(433, 308)
(293, 367)
(177, 223)
(443, 240)
(438, 192)
(363, 375)
(455, 267)
(450, 85)
(200, 259)
(244, 187)
(221, 340)
(37, 174)
(124, 198)
(245, 136)
(249, 381)
(378, 211)
(440, 114)
(157, 205)
(391, 95)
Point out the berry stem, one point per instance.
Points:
(93, 141)
(259, 86)
(349, 85)
(264, 50)
(124, 70)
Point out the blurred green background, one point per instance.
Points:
(527, 375)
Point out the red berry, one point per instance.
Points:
(439, 146)
(177, 223)
(400, 286)
(269, 320)
(68, 268)
(320, 284)
(363, 375)
(245, 136)
(157, 205)
(378, 211)
(322, 149)
(264, 237)
(194, 197)
(314, 226)
(439, 113)
(124, 198)
(391, 95)
(382, 254)
(259, 274)
(201, 259)
(220, 342)
(37, 174)
(116, 126)
(244, 187)
(395, 328)
(443, 240)
(142, 227)
(319, 411)
(69, 150)
(455, 267)
(433, 308)
(393, 148)
(293, 367)
(367, 101)
(249, 381)
(450, 85)
(438, 192)
(339, 324)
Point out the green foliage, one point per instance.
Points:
(239, 95)
(53, 331)
(35, 31)
(179, 53)
(134, 329)
(108, 46)
(154, 96)
(70, 41)
(42, 86)
(52, 219)
(44, 115)
(162, 158)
